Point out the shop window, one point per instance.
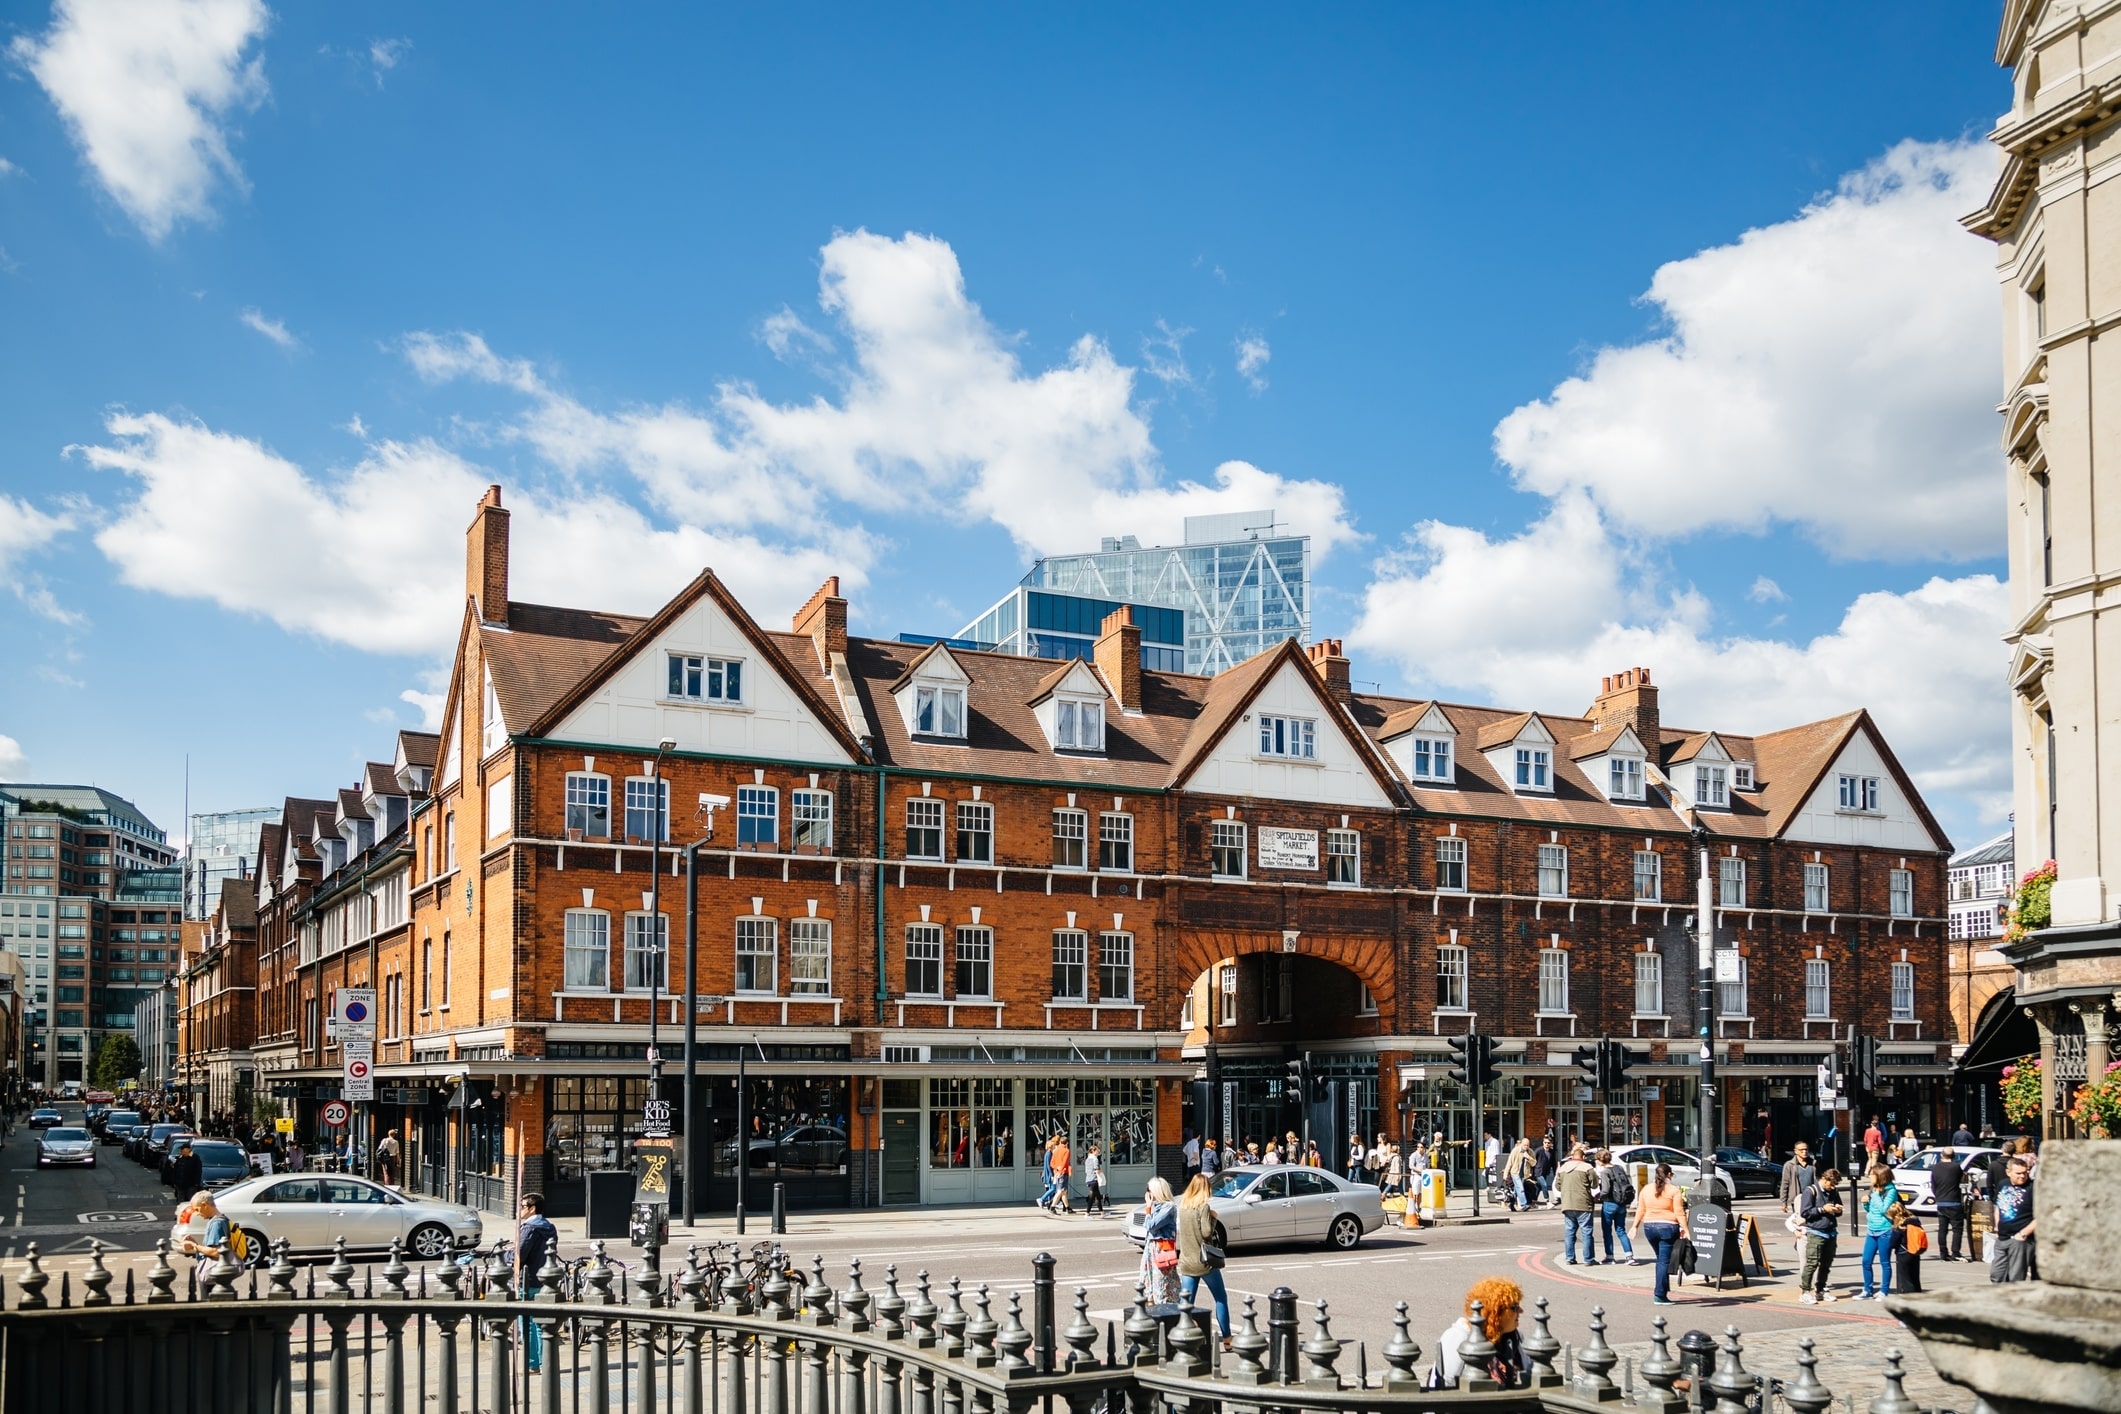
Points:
(971, 1124)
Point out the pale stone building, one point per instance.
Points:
(2055, 216)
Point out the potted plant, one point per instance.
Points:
(2032, 903)
(2097, 1112)
(2021, 1090)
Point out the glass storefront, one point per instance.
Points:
(984, 1138)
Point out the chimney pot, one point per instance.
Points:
(1118, 656)
(486, 558)
(824, 618)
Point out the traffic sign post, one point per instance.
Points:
(355, 1010)
(335, 1114)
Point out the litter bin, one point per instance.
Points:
(610, 1203)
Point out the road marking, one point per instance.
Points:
(116, 1216)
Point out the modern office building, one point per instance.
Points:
(155, 1032)
(86, 961)
(1242, 585)
(65, 839)
(221, 845)
(1039, 623)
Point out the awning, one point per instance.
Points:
(1985, 1051)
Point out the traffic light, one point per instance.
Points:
(1863, 1063)
(1487, 1072)
(1298, 1084)
(1591, 1061)
(1616, 1060)
(1465, 1059)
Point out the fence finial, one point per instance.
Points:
(1893, 1398)
(854, 1299)
(36, 1278)
(1081, 1336)
(1731, 1384)
(891, 1307)
(1401, 1353)
(1015, 1337)
(1597, 1360)
(98, 1277)
(1540, 1348)
(1320, 1351)
(1806, 1395)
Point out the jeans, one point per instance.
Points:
(1214, 1282)
(1574, 1225)
(1818, 1262)
(1354, 1173)
(1612, 1219)
(533, 1339)
(1878, 1246)
(1518, 1186)
(1665, 1237)
(1951, 1231)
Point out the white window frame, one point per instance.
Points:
(1554, 982)
(1903, 991)
(1712, 786)
(1226, 986)
(758, 939)
(1858, 795)
(756, 804)
(931, 822)
(1649, 983)
(1818, 888)
(1452, 992)
(1732, 999)
(1115, 967)
(1286, 738)
(1344, 859)
(1624, 777)
(810, 819)
(1223, 837)
(1535, 768)
(1818, 989)
(1741, 775)
(1450, 855)
(1071, 965)
(1115, 842)
(1730, 882)
(938, 710)
(1078, 724)
(585, 933)
(975, 821)
(645, 782)
(638, 933)
(1900, 893)
(924, 948)
(493, 732)
(974, 949)
(1432, 759)
(703, 678)
(1071, 839)
(582, 789)
(809, 942)
(1649, 876)
(1553, 871)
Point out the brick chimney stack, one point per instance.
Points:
(1332, 665)
(1119, 657)
(1626, 699)
(824, 619)
(486, 559)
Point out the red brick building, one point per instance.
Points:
(949, 902)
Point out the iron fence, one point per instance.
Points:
(459, 1340)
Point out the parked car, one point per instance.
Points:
(221, 1162)
(44, 1117)
(157, 1143)
(117, 1125)
(64, 1144)
(135, 1139)
(802, 1148)
(1285, 1203)
(1754, 1176)
(1641, 1160)
(312, 1211)
(93, 1116)
(1912, 1175)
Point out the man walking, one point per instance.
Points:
(1947, 1187)
(1874, 1144)
(1544, 1164)
(1962, 1137)
(186, 1173)
(2014, 1223)
(535, 1239)
(1574, 1180)
(1797, 1175)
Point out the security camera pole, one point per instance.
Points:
(1705, 999)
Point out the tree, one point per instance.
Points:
(117, 1062)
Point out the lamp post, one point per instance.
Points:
(708, 804)
(656, 931)
(1705, 997)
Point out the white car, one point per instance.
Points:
(312, 1211)
(1287, 1203)
(1912, 1175)
(1641, 1160)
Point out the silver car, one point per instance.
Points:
(66, 1146)
(1912, 1175)
(1287, 1203)
(312, 1211)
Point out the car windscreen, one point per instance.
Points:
(1229, 1185)
(163, 1131)
(62, 1135)
(220, 1154)
(121, 1119)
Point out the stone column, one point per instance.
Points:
(2047, 1071)
(2094, 1014)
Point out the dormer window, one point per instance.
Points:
(1535, 767)
(1712, 785)
(1741, 775)
(1293, 737)
(1624, 777)
(1432, 759)
(939, 711)
(1079, 726)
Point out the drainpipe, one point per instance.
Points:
(883, 991)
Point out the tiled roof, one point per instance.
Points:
(381, 779)
(1593, 743)
(239, 903)
(420, 748)
(544, 653)
(1502, 732)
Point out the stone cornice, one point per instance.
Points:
(2025, 142)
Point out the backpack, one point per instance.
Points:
(1618, 1187)
(1918, 1241)
(238, 1245)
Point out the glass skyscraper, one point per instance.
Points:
(1037, 623)
(222, 846)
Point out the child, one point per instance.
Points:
(1094, 1185)
(1909, 1243)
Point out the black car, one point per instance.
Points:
(1753, 1175)
(117, 1125)
(44, 1117)
(157, 1142)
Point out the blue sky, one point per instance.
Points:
(1576, 336)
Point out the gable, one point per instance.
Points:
(630, 705)
(1341, 773)
(1899, 822)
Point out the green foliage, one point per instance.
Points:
(2032, 905)
(2021, 1091)
(117, 1062)
(2098, 1109)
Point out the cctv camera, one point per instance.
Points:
(713, 802)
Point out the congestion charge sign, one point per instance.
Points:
(335, 1114)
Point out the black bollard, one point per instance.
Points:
(780, 1208)
(1697, 1361)
(1042, 1312)
(1281, 1336)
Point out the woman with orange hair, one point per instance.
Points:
(1501, 1303)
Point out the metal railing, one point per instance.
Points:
(457, 1340)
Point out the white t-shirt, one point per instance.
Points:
(1191, 1150)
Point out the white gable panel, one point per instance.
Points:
(633, 709)
(1337, 777)
(1895, 826)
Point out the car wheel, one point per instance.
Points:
(430, 1242)
(1345, 1233)
(260, 1247)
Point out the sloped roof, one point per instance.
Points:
(2000, 850)
(545, 653)
(239, 903)
(1591, 744)
(1397, 722)
(1502, 731)
(381, 779)
(420, 748)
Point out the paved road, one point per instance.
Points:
(63, 1210)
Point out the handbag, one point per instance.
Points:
(1165, 1255)
(1794, 1224)
(1212, 1257)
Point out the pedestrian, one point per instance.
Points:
(387, 1159)
(1094, 1204)
(1373, 1163)
(1573, 1182)
(1909, 1243)
(1395, 1170)
(1200, 1254)
(1501, 1303)
(536, 1238)
(1878, 1232)
(1045, 1174)
(1355, 1157)
(1211, 1160)
(1290, 1148)
(1948, 1190)
(1874, 1143)
(1660, 1216)
(2014, 1223)
(1252, 1154)
(186, 1173)
(1159, 1265)
(1517, 1172)
(1063, 1170)
(1490, 1157)
(1544, 1162)
(1614, 1192)
(216, 1240)
(1189, 1155)
(1797, 1175)
(1909, 1145)
(1820, 1208)
(1273, 1154)
(295, 1156)
(1962, 1137)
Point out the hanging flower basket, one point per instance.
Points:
(2021, 1090)
(2031, 906)
(2097, 1113)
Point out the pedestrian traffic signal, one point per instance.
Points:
(1298, 1082)
(1465, 1059)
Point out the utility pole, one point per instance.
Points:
(1705, 997)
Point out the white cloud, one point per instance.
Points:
(147, 89)
(935, 414)
(7, 168)
(12, 760)
(1847, 355)
(369, 556)
(790, 339)
(386, 54)
(1164, 356)
(273, 329)
(26, 531)
(430, 706)
(1252, 356)
(1766, 591)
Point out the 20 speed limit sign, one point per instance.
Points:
(335, 1114)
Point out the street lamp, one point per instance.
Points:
(708, 805)
(656, 930)
(1705, 999)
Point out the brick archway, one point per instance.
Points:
(1370, 959)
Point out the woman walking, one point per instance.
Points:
(1614, 1193)
(1159, 1268)
(1660, 1216)
(1200, 1253)
(1395, 1170)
